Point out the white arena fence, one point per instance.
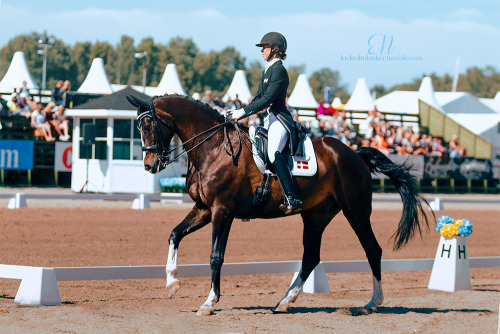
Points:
(39, 284)
(140, 201)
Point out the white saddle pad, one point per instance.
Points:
(302, 166)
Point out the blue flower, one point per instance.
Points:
(465, 229)
(443, 220)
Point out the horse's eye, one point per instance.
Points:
(147, 127)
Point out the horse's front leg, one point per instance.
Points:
(196, 219)
(221, 225)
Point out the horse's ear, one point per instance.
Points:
(132, 100)
(137, 102)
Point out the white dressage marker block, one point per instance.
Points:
(450, 271)
(18, 201)
(39, 288)
(141, 202)
(316, 282)
(436, 204)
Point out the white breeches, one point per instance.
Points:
(278, 136)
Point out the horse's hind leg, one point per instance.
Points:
(196, 219)
(314, 225)
(358, 215)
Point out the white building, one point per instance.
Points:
(115, 162)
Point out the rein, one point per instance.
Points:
(163, 153)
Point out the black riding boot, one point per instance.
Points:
(292, 201)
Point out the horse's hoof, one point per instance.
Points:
(173, 288)
(282, 308)
(205, 311)
(370, 310)
(357, 311)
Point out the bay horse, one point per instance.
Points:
(222, 186)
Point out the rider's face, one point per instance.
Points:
(266, 51)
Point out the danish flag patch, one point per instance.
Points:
(265, 80)
(302, 164)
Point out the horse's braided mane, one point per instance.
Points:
(204, 106)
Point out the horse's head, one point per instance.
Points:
(156, 134)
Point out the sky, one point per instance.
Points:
(386, 42)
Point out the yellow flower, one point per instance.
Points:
(459, 222)
(449, 230)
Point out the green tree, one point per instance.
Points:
(150, 61)
(182, 52)
(379, 90)
(81, 61)
(125, 60)
(325, 78)
(254, 74)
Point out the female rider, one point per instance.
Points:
(270, 99)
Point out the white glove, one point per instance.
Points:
(238, 113)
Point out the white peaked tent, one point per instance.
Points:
(239, 86)
(302, 96)
(170, 83)
(96, 81)
(17, 73)
(427, 95)
(336, 102)
(361, 99)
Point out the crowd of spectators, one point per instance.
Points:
(48, 122)
(375, 132)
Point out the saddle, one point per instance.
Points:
(260, 142)
(302, 163)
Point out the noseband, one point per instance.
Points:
(161, 151)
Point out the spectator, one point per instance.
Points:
(237, 102)
(14, 106)
(57, 97)
(60, 124)
(207, 99)
(455, 150)
(324, 111)
(42, 129)
(4, 108)
(437, 147)
(218, 102)
(66, 93)
(24, 89)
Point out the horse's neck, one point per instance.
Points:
(192, 126)
(192, 122)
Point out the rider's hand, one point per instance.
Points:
(238, 113)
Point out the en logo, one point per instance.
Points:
(378, 43)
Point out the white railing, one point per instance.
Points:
(140, 201)
(39, 284)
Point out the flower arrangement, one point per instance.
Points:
(449, 227)
(173, 184)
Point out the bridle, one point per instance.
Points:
(163, 153)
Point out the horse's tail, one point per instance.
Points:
(408, 188)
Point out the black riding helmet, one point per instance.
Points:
(273, 39)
